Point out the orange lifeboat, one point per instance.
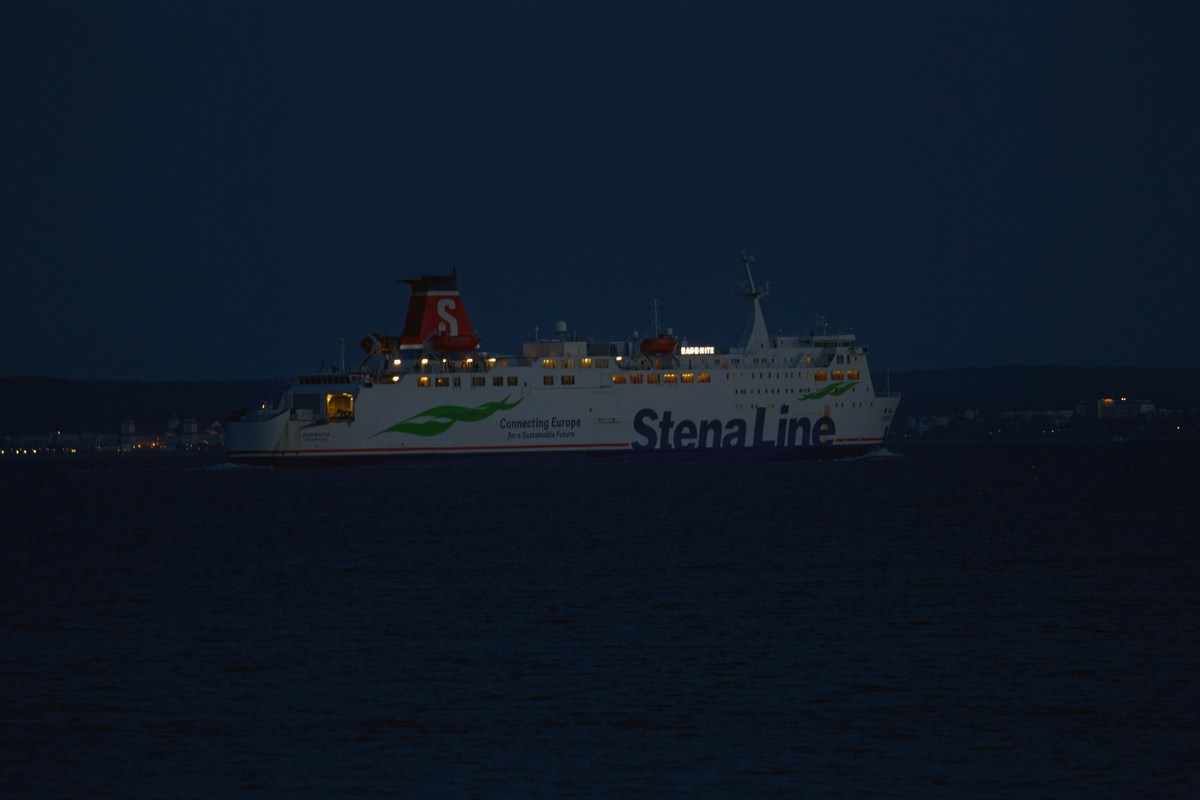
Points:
(463, 343)
(658, 345)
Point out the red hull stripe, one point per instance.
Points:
(421, 449)
(437, 449)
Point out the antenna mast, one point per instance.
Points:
(751, 291)
(755, 337)
(654, 301)
(821, 323)
(747, 257)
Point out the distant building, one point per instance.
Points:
(188, 438)
(215, 437)
(38, 440)
(1025, 416)
(100, 441)
(128, 435)
(67, 440)
(923, 424)
(132, 441)
(1111, 408)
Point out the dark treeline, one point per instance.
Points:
(38, 405)
(1017, 388)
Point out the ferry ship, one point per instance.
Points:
(431, 393)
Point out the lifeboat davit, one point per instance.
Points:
(659, 345)
(384, 345)
(462, 343)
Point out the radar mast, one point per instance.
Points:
(755, 336)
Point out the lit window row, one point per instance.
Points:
(668, 377)
(569, 363)
(565, 380)
(730, 376)
(479, 380)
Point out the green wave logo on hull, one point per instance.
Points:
(832, 390)
(440, 418)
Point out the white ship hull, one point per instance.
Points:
(783, 397)
(743, 412)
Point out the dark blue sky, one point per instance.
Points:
(206, 191)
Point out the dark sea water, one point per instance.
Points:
(953, 621)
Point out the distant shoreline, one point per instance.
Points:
(38, 405)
